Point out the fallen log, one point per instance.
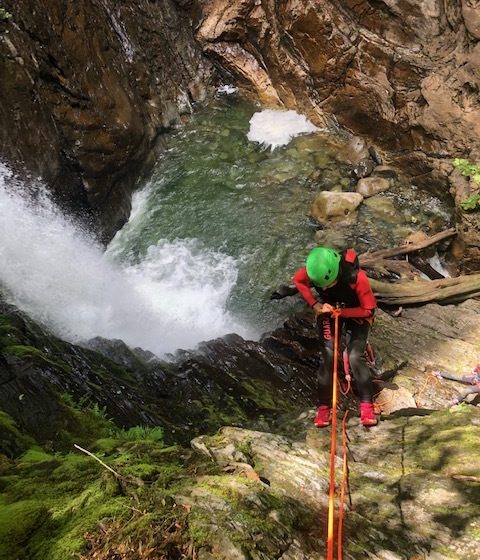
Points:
(369, 259)
(445, 291)
(413, 290)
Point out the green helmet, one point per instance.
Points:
(323, 265)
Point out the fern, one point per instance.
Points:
(143, 433)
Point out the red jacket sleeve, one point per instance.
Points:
(302, 283)
(366, 299)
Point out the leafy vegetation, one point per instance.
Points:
(471, 171)
(4, 15)
(468, 169)
(471, 202)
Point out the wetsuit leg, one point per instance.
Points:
(325, 371)
(356, 341)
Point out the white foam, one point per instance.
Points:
(175, 298)
(273, 128)
(438, 265)
(227, 89)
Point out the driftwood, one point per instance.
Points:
(368, 259)
(381, 265)
(411, 289)
(445, 291)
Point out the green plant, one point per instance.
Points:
(143, 433)
(4, 15)
(471, 202)
(468, 169)
(471, 171)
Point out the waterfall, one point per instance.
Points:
(56, 273)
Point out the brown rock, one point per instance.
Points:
(87, 87)
(337, 205)
(385, 171)
(471, 17)
(370, 186)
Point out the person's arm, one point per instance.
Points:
(366, 299)
(302, 283)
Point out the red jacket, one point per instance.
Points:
(357, 297)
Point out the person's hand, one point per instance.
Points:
(322, 309)
(326, 309)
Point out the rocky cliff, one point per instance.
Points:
(86, 89)
(257, 495)
(405, 74)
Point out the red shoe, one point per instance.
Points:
(367, 414)
(322, 418)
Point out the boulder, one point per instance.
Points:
(363, 168)
(385, 171)
(335, 205)
(370, 186)
(355, 150)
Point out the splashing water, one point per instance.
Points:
(59, 276)
(276, 128)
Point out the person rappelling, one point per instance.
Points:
(343, 290)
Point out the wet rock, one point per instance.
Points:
(371, 186)
(383, 208)
(364, 168)
(355, 151)
(335, 205)
(97, 85)
(376, 157)
(385, 171)
(466, 247)
(133, 391)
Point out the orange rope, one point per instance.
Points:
(343, 486)
(333, 446)
(430, 376)
(349, 386)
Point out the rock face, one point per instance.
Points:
(413, 479)
(412, 490)
(86, 89)
(226, 381)
(403, 73)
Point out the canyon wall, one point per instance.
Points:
(87, 87)
(404, 73)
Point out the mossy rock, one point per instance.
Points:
(12, 442)
(18, 521)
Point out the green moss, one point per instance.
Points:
(144, 433)
(260, 393)
(33, 354)
(444, 440)
(12, 441)
(17, 523)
